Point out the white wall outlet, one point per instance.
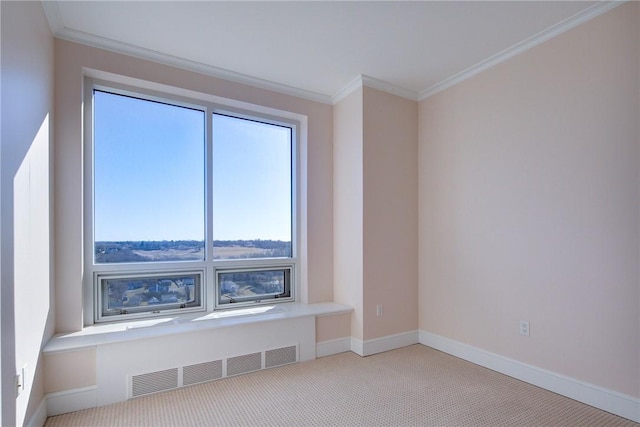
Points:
(379, 310)
(21, 380)
(524, 327)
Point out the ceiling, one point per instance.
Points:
(317, 49)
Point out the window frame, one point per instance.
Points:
(286, 296)
(134, 313)
(209, 291)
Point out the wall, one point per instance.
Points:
(375, 213)
(390, 214)
(26, 213)
(347, 199)
(529, 206)
(71, 59)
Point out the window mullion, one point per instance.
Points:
(210, 276)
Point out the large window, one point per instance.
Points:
(191, 205)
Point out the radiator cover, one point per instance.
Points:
(158, 381)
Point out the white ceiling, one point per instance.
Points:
(316, 49)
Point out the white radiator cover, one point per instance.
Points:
(130, 369)
(168, 379)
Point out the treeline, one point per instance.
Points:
(158, 245)
(257, 243)
(133, 251)
(150, 245)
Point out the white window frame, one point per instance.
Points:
(135, 313)
(209, 294)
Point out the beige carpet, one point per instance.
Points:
(414, 385)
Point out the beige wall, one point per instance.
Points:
(375, 211)
(70, 370)
(529, 205)
(26, 214)
(390, 219)
(71, 58)
(333, 327)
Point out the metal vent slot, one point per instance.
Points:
(202, 372)
(241, 364)
(154, 382)
(280, 356)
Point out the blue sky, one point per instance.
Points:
(149, 169)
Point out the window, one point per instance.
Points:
(246, 285)
(191, 205)
(139, 293)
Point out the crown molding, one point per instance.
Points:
(389, 88)
(60, 31)
(363, 80)
(347, 90)
(536, 39)
(52, 13)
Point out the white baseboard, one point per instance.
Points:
(593, 395)
(379, 345)
(329, 347)
(77, 399)
(39, 416)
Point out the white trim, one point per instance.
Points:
(357, 346)
(60, 31)
(373, 83)
(335, 346)
(389, 88)
(526, 44)
(593, 395)
(77, 399)
(352, 86)
(111, 333)
(52, 12)
(39, 416)
(382, 344)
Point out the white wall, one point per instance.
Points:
(530, 206)
(348, 205)
(26, 212)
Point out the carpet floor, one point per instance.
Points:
(411, 386)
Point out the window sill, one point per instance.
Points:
(162, 326)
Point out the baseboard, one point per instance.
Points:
(379, 345)
(39, 416)
(77, 399)
(335, 346)
(593, 395)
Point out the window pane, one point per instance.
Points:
(149, 163)
(132, 294)
(251, 189)
(253, 285)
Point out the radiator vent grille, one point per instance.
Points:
(279, 356)
(243, 364)
(154, 382)
(202, 372)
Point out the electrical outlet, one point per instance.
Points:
(21, 380)
(379, 310)
(524, 327)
